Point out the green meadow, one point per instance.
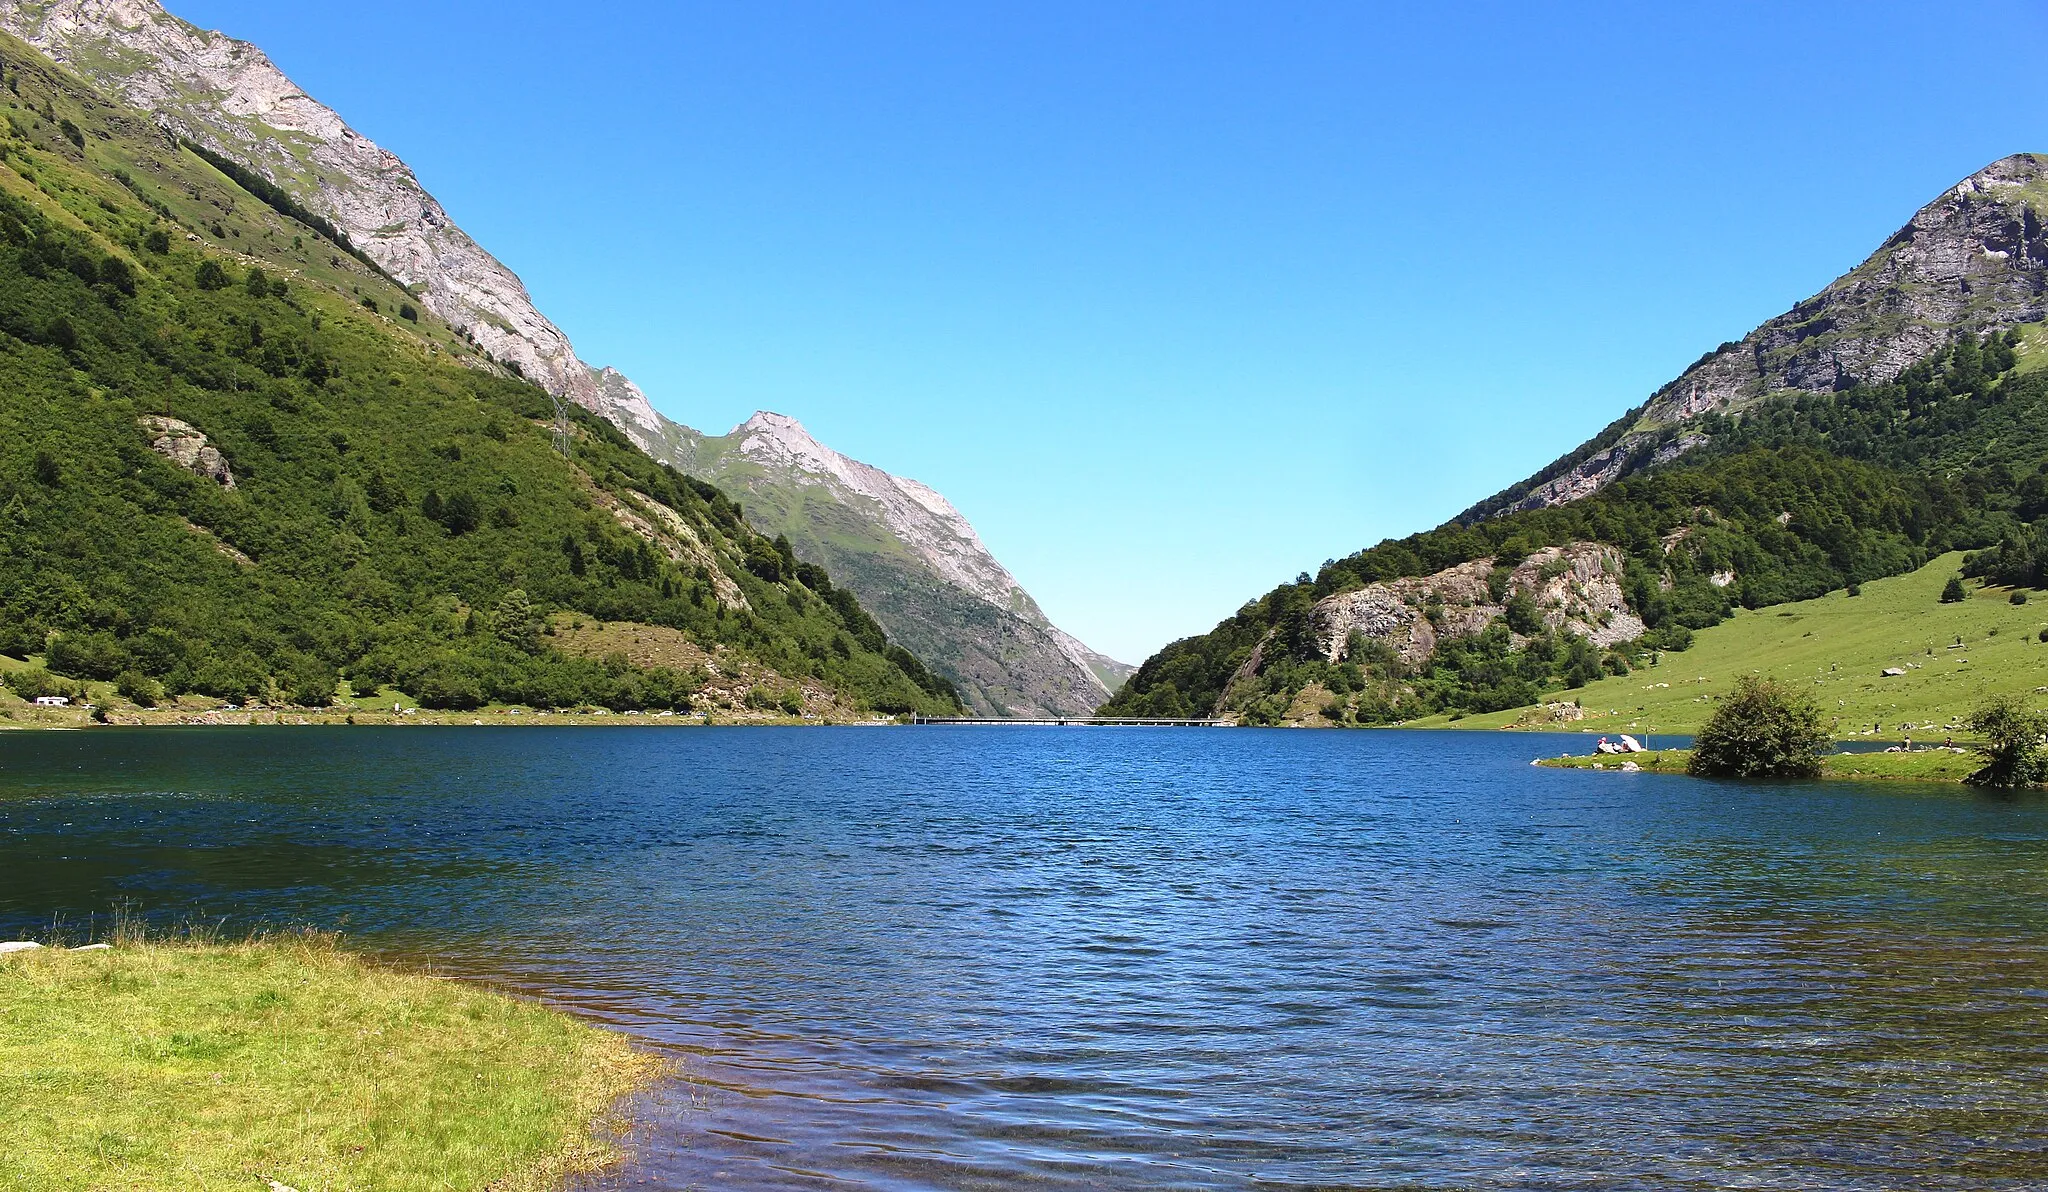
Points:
(1839, 646)
(195, 1066)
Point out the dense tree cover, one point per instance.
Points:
(1793, 498)
(396, 518)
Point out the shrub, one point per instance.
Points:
(1954, 593)
(1855, 589)
(1523, 617)
(138, 688)
(31, 682)
(2017, 598)
(158, 241)
(87, 655)
(211, 276)
(309, 683)
(516, 621)
(2013, 749)
(1667, 637)
(1763, 729)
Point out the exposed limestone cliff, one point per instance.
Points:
(901, 547)
(1975, 259)
(1576, 589)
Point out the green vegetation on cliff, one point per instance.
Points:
(398, 513)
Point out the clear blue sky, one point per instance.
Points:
(1173, 300)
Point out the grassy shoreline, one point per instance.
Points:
(1921, 765)
(193, 1065)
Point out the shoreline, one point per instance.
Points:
(1935, 764)
(20, 718)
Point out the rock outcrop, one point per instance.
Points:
(916, 563)
(1973, 260)
(184, 445)
(1576, 589)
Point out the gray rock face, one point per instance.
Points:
(923, 570)
(185, 446)
(1576, 589)
(1973, 260)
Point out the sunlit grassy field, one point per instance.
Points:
(1838, 646)
(190, 1066)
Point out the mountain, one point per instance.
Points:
(918, 565)
(228, 98)
(1974, 259)
(237, 461)
(1900, 413)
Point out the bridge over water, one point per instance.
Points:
(1115, 721)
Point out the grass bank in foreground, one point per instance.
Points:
(1925, 765)
(1951, 657)
(197, 1066)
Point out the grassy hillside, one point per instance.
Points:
(399, 514)
(1839, 645)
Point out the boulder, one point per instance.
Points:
(184, 445)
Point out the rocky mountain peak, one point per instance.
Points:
(228, 96)
(1975, 259)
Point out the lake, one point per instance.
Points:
(965, 958)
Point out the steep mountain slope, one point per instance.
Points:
(918, 564)
(1973, 260)
(227, 96)
(1789, 475)
(225, 470)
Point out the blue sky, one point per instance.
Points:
(1172, 300)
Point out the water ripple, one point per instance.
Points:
(964, 959)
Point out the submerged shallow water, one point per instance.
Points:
(1071, 958)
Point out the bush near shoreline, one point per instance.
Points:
(196, 1066)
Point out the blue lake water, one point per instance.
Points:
(1068, 958)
